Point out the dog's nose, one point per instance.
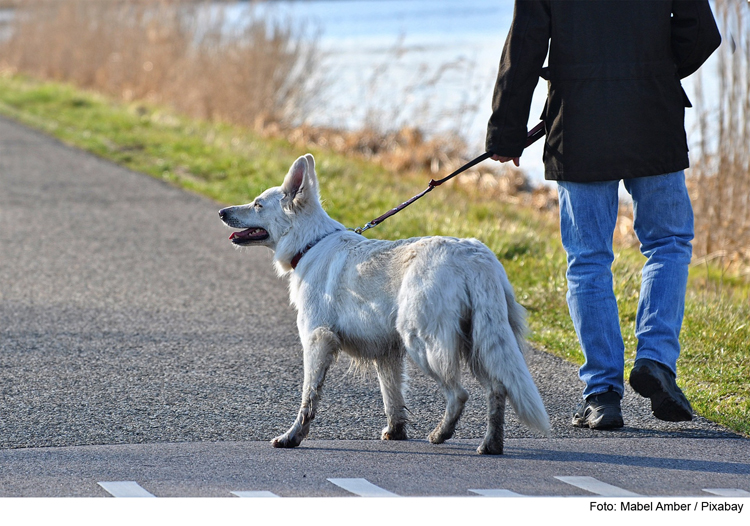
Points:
(223, 213)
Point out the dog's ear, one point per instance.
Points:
(295, 179)
(310, 163)
(300, 182)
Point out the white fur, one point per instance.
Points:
(440, 300)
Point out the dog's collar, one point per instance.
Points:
(298, 255)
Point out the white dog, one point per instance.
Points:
(440, 300)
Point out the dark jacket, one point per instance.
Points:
(615, 106)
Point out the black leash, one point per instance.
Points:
(537, 132)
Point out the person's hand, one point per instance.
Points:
(505, 159)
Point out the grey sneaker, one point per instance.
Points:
(599, 411)
(655, 381)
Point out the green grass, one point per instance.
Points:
(232, 165)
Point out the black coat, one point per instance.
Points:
(615, 107)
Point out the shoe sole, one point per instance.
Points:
(606, 424)
(599, 423)
(663, 405)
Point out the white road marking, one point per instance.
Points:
(727, 492)
(125, 488)
(362, 487)
(254, 494)
(597, 487)
(496, 493)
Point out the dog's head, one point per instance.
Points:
(271, 215)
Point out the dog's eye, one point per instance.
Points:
(258, 206)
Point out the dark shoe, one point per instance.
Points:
(599, 411)
(655, 381)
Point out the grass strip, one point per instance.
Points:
(232, 165)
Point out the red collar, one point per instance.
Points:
(298, 255)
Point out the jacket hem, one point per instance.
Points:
(576, 176)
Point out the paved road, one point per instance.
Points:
(131, 326)
(531, 467)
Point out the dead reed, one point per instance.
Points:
(720, 178)
(186, 54)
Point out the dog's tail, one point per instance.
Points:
(500, 346)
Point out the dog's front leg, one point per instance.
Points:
(390, 368)
(319, 351)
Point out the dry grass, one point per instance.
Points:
(179, 53)
(720, 182)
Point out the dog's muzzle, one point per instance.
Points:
(243, 237)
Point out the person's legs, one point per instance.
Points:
(663, 222)
(588, 214)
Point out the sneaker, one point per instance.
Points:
(599, 411)
(655, 381)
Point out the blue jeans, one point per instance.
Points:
(663, 222)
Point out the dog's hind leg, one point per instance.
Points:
(493, 439)
(319, 353)
(445, 369)
(455, 397)
(429, 323)
(391, 376)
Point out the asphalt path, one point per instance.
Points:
(136, 341)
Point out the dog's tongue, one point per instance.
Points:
(250, 233)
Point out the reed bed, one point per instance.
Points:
(185, 54)
(720, 178)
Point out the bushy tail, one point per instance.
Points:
(516, 318)
(500, 346)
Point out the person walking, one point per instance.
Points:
(614, 112)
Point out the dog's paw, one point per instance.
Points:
(397, 433)
(285, 441)
(488, 448)
(438, 436)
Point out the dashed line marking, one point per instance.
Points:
(496, 493)
(727, 492)
(362, 487)
(597, 487)
(125, 489)
(255, 494)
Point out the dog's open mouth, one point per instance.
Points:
(251, 235)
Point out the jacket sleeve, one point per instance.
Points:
(520, 66)
(694, 34)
